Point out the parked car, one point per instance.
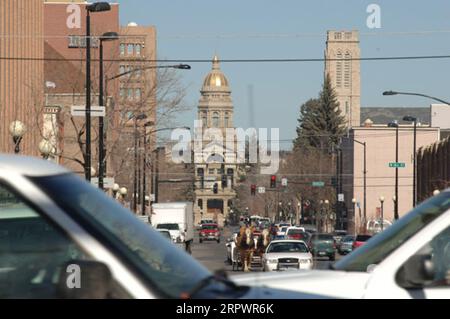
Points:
(209, 232)
(360, 240)
(409, 260)
(323, 245)
(205, 221)
(345, 246)
(287, 255)
(54, 224)
(311, 229)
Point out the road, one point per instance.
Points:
(213, 255)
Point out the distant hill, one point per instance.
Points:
(385, 115)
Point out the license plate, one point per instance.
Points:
(321, 253)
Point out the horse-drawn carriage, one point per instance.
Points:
(249, 247)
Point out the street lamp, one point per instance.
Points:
(382, 212)
(396, 126)
(436, 192)
(115, 189)
(17, 130)
(123, 193)
(390, 93)
(94, 7)
(135, 178)
(364, 144)
(108, 36)
(46, 148)
(414, 120)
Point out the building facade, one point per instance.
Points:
(137, 96)
(21, 80)
(342, 64)
(380, 179)
(215, 164)
(65, 79)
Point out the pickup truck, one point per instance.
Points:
(410, 259)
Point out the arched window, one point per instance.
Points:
(347, 70)
(215, 119)
(227, 119)
(204, 118)
(339, 70)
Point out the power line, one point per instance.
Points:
(274, 60)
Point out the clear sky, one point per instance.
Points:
(240, 29)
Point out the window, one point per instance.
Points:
(138, 94)
(130, 94)
(337, 36)
(34, 252)
(123, 93)
(347, 70)
(227, 119)
(122, 49)
(339, 70)
(215, 119)
(138, 49)
(212, 171)
(200, 203)
(130, 49)
(205, 118)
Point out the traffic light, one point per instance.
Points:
(253, 190)
(216, 188)
(273, 181)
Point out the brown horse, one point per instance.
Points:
(245, 244)
(262, 243)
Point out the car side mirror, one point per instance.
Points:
(82, 279)
(418, 271)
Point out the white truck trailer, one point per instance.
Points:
(178, 218)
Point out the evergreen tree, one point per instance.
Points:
(321, 123)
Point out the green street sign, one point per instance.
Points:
(397, 165)
(318, 184)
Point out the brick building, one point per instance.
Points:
(21, 80)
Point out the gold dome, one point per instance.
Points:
(215, 79)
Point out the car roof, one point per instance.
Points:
(287, 241)
(30, 166)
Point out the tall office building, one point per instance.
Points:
(342, 65)
(21, 71)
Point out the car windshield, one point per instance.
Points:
(168, 226)
(348, 239)
(382, 245)
(295, 232)
(169, 271)
(363, 237)
(209, 227)
(322, 237)
(287, 247)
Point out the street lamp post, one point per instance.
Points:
(382, 212)
(414, 120)
(45, 148)
(135, 179)
(364, 144)
(95, 7)
(396, 126)
(17, 130)
(108, 36)
(326, 202)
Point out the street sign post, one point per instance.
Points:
(261, 190)
(96, 111)
(397, 165)
(318, 184)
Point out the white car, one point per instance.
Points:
(287, 255)
(56, 228)
(410, 259)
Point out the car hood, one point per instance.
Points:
(288, 255)
(326, 283)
